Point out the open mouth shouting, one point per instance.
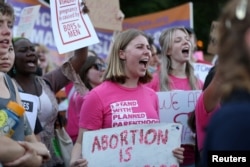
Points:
(144, 63)
(185, 52)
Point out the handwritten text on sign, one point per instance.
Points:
(201, 70)
(71, 26)
(133, 146)
(175, 106)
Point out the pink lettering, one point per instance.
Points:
(128, 153)
(115, 139)
(97, 144)
(124, 136)
(104, 142)
(150, 131)
(161, 137)
(141, 136)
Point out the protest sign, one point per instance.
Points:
(103, 14)
(156, 23)
(201, 70)
(27, 21)
(71, 27)
(30, 103)
(147, 145)
(175, 107)
(153, 24)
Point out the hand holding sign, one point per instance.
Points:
(132, 145)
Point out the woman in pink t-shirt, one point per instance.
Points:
(207, 104)
(91, 75)
(123, 85)
(177, 73)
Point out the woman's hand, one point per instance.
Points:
(179, 154)
(29, 159)
(39, 147)
(79, 163)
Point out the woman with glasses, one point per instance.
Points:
(91, 75)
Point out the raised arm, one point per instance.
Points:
(212, 94)
(79, 58)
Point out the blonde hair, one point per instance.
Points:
(166, 43)
(116, 69)
(233, 54)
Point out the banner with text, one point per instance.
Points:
(42, 32)
(72, 29)
(175, 107)
(153, 25)
(135, 145)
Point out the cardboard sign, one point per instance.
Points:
(136, 145)
(213, 38)
(201, 70)
(27, 21)
(175, 107)
(72, 29)
(103, 14)
(30, 103)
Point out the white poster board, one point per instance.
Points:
(134, 146)
(27, 21)
(71, 28)
(175, 107)
(201, 70)
(30, 103)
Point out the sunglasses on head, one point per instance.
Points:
(99, 66)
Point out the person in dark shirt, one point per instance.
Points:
(228, 129)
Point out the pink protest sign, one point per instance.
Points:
(136, 145)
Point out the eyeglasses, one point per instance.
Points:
(99, 66)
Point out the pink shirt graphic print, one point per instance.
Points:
(112, 105)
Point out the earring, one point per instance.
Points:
(14, 70)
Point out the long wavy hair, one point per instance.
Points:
(166, 43)
(233, 53)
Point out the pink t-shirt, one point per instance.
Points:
(112, 105)
(202, 118)
(178, 84)
(73, 113)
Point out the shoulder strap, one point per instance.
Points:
(11, 87)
